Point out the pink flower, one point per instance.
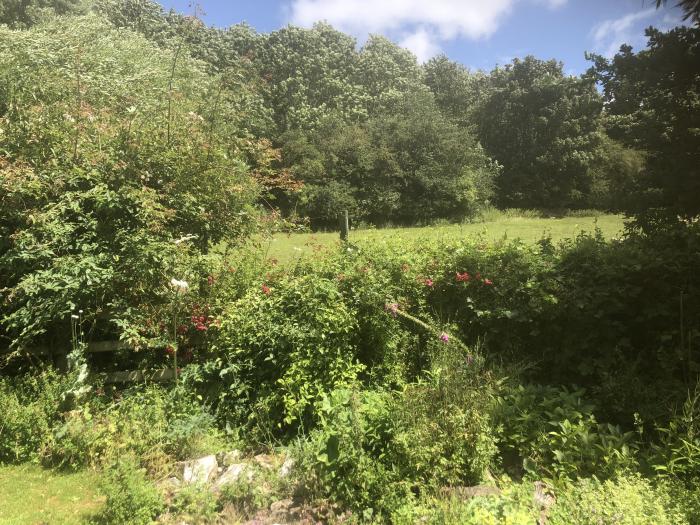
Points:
(462, 277)
(266, 289)
(428, 282)
(488, 282)
(444, 337)
(392, 308)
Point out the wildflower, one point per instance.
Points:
(488, 282)
(462, 277)
(266, 289)
(392, 308)
(444, 337)
(181, 287)
(428, 282)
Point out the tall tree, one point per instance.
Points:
(543, 127)
(652, 101)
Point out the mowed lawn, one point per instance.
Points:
(30, 495)
(287, 248)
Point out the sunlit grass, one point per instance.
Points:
(287, 248)
(30, 495)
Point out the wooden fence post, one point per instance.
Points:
(344, 226)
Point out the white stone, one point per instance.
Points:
(233, 473)
(286, 467)
(200, 470)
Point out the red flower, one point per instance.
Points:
(462, 277)
(428, 282)
(266, 289)
(488, 282)
(170, 350)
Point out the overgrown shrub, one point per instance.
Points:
(373, 450)
(30, 409)
(154, 424)
(624, 501)
(280, 349)
(131, 498)
(553, 432)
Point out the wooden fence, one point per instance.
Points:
(59, 357)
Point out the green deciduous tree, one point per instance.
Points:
(652, 103)
(543, 127)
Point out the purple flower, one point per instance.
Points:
(444, 337)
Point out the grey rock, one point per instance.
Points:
(200, 470)
(233, 473)
(286, 468)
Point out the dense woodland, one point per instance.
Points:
(146, 159)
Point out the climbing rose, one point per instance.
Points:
(462, 277)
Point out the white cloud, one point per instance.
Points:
(609, 35)
(420, 24)
(421, 43)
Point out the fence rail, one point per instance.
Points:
(99, 347)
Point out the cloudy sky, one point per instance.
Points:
(478, 33)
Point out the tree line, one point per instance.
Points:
(370, 130)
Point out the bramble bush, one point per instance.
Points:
(109, 152)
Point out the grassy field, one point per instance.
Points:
(30, 495)
(286, 248)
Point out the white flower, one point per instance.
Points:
(181, 287)
(185, 239)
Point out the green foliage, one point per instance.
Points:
(553, 432)
(676, 454)
(153, 424)
(195, 504)
(21, 14)
(627, 500)
(513, 506)
(100, 174)
(544, 128)
(373, 450)
(131, 498)
(30, 409)
(651, 100)
(280, 349)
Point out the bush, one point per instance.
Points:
(30, 409)
(513, 506)
(131, 498)
(374, 450)
(281, 348)
(154, 424)
(550, 431)
(195, 504)
(625, 501)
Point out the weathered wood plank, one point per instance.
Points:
(131, 376)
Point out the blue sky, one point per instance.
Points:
(477, 33)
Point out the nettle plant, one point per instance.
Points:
(110, 150)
